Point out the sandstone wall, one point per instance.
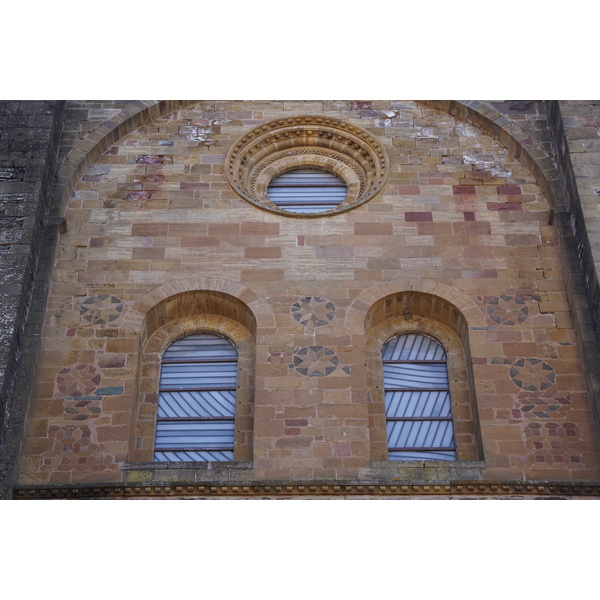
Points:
(460, 219)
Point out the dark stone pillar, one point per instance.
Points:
(29, 140)
(580, 274)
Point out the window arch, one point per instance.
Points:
(197, 399)
(417, 399)
(165, 326)
(417, 327)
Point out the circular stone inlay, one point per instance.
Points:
(315, 361)
(313, 311)
(532, 374)
(102, 309)
(507, 310)
(78, 380)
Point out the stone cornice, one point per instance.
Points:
(308, 489)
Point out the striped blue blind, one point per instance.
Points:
(417, 399)
(307, 191)
(196, 404)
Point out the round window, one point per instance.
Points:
(307, 191)
(307, 166)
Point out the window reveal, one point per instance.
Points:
(417, 399)
(197, 397)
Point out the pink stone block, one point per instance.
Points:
(409, 190)
(465, 190)
(509, 189)
(418, 216)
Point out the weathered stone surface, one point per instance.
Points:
(28, 141)
(464, 216)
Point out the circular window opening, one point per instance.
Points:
(307, 191)
(345, 160)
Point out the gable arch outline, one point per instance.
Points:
(480, 114)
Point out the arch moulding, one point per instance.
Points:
(262, 312)
(477, 113)
(362, 303)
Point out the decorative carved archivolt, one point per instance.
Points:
(284, 144)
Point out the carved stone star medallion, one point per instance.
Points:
(315, 361)
(102, 309)
(532, 374)
(313, 311)
(507, 310)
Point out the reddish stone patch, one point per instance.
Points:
(466, 190)
(292, 431)
(409, 190)
(509, 189)
(418, 216)
(78, 380)
(296, 422)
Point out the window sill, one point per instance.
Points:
(442, 471)
(184, 472)
(204, 464)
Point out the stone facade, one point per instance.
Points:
(475, 225)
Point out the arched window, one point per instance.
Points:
(417, 399)
(196, 405)
(308, 190)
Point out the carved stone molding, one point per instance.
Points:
(327, 143)
(337, 489)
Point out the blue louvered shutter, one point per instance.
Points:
(417, 399)
(307, 191)
(196, 404)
